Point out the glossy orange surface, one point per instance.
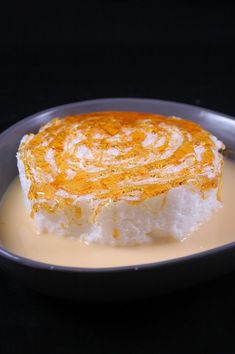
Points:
(114, 156)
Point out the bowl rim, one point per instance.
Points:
(10, 256)
(30, 263)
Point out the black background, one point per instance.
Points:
(60, 53)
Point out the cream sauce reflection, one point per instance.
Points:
(18, 235)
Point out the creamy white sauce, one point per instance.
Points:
(19, 236)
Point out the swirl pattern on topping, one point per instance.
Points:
(116, 156)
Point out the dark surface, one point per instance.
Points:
(117, 49)
(198, 320)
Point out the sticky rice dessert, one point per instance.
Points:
(120, 178)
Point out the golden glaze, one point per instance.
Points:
(116, 158)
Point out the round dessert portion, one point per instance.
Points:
(120, 178)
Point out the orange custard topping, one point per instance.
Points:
(116, 156)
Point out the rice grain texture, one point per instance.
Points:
(120, 178)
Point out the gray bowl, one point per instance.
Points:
(117, 282)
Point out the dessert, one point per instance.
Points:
(120, 178)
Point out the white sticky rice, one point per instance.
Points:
(175, 213)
